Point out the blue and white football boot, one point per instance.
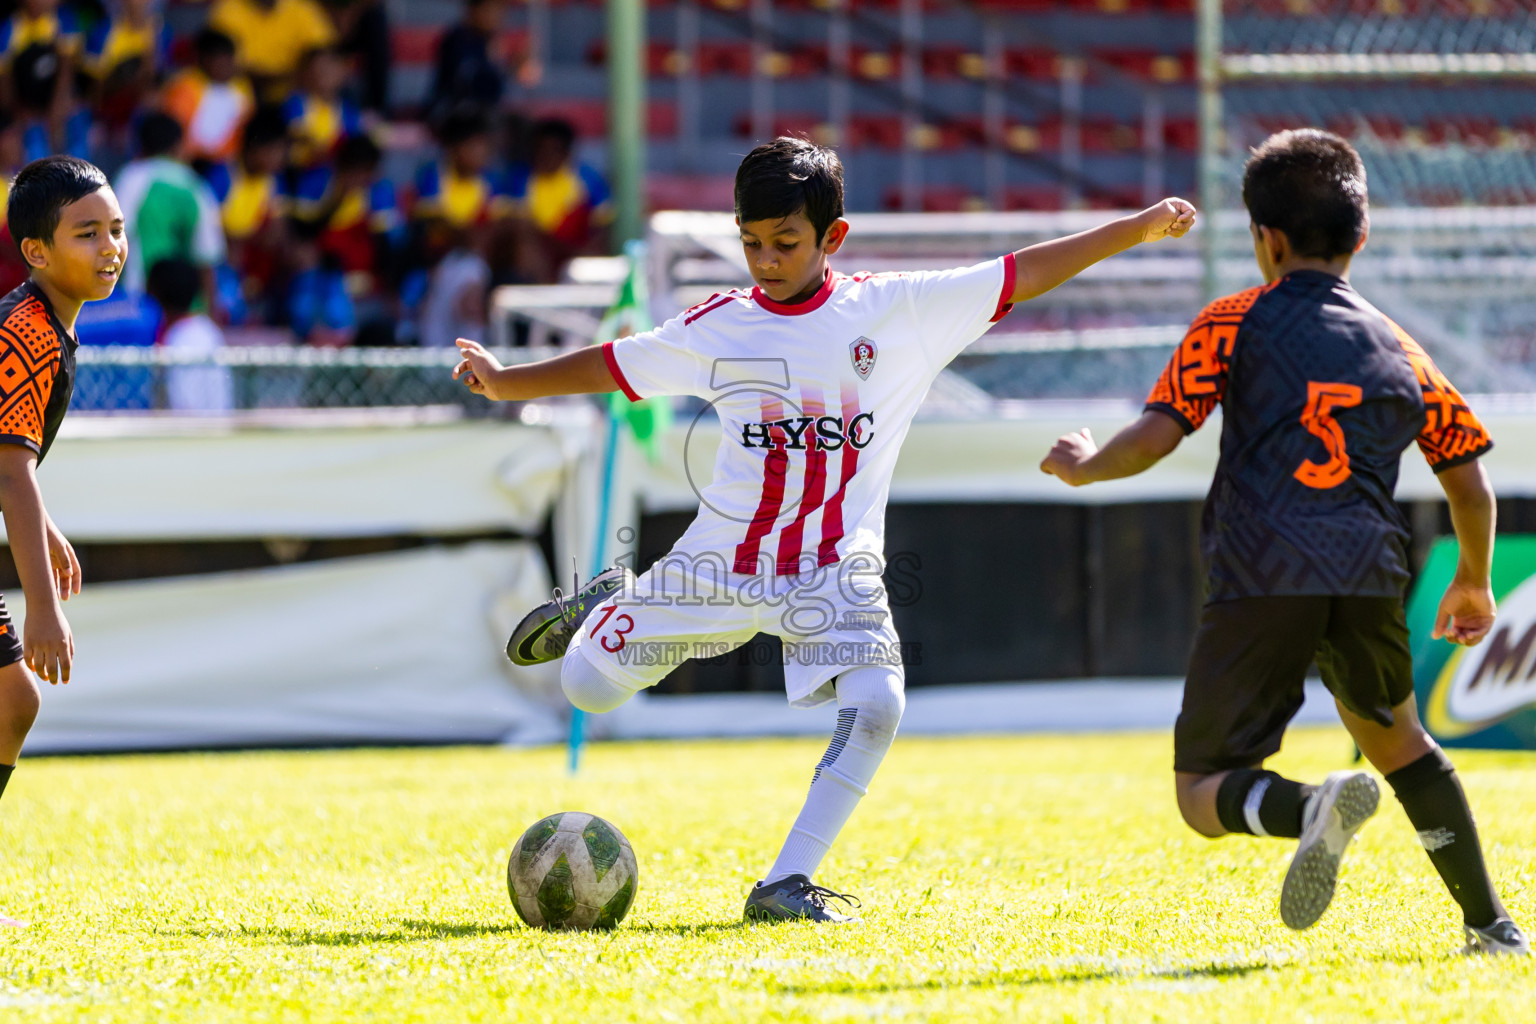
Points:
(796, 898)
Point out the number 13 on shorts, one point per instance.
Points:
(621, 625)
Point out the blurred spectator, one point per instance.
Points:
(364, 27)
(126, 55)
(13, 269)
(470, 68)
(458, 191)
(318, 116)
(318, 309)
(39, 55)
(456, 297)
(211, 101)
(567, 204)
(271, 38)
(253, 204)
(356, 210)
(170, 211)
(175, 286)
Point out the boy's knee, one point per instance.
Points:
(1194, 805)
(20, 702)
(879, 695)
(588, 689)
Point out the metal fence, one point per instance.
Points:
(131, 379)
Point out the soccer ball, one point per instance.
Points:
(572, 870)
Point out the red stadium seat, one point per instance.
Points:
(590, 117)
(1032, 63)
(937, 199)
(690, 192)
(1033, 197)
(880, 130)
(1109, 6)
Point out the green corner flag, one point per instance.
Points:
(630, 314)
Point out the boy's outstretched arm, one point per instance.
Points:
(583, 372)
(47, 644)
(1042, 267)
(1138, 447)
(1467, 610)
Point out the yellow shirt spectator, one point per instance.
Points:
(273, 35)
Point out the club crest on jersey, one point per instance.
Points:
(863, 353)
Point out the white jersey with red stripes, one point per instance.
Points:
(814, 401)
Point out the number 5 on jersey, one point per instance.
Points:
(1317, 418)
(621, 627)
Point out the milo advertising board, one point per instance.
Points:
(1483, 696)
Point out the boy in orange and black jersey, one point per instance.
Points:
(69, 227)
(1321, 394)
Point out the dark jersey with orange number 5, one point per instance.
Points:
(1320, 395)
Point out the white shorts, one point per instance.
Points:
(830, 619)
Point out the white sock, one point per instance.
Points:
(870, 702)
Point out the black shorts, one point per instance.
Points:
(10, 641)
(1250, 661)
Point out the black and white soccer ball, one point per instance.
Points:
(572, 871)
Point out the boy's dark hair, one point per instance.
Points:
(266, 126)
(358, 153)
(158, 134)
(1310, 184)
(788, 175)
(462, 124)
(556, 129)
(210, 42)
(174, 284)
(42, 189)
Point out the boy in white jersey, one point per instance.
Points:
(815, 377)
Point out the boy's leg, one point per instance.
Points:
(1244, 685)
(870, 701)
(1426, 785)
(1367, 664)
(19, 703)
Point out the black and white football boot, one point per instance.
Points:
(796, 898)
(546, 632)
(1502, 938)
(1332, 816)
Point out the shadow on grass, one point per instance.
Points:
(407, 931)
(686, 930)
(1041, 975)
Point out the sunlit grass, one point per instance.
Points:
(1038, 878)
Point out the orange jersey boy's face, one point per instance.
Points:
(89, 248)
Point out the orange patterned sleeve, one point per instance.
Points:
(1452, 432)
(29, 359)
(1196, 377)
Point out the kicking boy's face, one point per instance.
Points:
(784, 257)
(88, 249)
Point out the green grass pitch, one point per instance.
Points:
(1008, 879)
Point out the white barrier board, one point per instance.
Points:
(403, 647)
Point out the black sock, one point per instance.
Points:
(5, 776)
(1432, 795)
(1278, 803)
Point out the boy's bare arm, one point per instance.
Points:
(1042, 267)
(48, 646)
(1135, 449)
(583, 372)
(1467, 610)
